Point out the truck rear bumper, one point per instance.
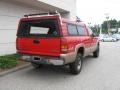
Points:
(62, 60)
(69, 57)
(41, 59)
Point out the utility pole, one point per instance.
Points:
(100, 32)
(108, 23)
(100, 29)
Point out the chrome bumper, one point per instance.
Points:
(62, 60)
(42, 59)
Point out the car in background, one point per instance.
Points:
(108, 39)
(117, 36)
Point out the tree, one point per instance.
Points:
(104, 25)
(118, 24)
(113, 24)
(96, 29)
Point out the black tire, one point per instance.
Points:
(76, 66)
(35, 65)
(96, 53)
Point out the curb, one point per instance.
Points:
(14, 69)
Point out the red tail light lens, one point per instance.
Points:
(64, 46)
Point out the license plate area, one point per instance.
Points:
(36, 58)
(39, 59)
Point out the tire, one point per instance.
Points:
(76, 66)
(96, 53)
(36, 65)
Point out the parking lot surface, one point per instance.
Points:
(101, 73)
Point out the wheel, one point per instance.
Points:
(76, 66)
(35, 65)
(96, 53)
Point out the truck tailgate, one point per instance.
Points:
(39, 46)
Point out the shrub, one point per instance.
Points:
(8, 61)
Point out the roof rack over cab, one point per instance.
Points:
(44, 14)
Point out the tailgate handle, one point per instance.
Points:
(36, 41)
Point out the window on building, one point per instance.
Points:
(72, 30)
(81, 31)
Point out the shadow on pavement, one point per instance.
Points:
(58, 72)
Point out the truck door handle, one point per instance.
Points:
(36, 41)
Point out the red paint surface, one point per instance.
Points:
(52, 46)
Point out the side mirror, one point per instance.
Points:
(93, 35)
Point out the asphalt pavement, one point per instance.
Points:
(101, 73)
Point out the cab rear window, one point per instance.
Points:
(41, 28)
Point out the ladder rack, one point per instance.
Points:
(44, 14)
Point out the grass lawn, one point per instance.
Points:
(8, 61)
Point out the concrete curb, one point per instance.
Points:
(14, 69)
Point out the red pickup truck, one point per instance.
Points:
(49, 39)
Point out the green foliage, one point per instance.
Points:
(104, 31)
(8, 61)
(96, 29)
(113, 24)
(118, 24)
(104, 25)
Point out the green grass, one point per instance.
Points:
(8, 61)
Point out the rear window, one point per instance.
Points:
(42, 28)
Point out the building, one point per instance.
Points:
(12, 10)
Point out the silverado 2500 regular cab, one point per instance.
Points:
(48, 39)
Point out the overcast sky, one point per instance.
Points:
(94, 10)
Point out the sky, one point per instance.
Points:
(94, 11)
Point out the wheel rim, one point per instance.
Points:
(79, 63)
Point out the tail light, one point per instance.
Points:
(64, 46)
